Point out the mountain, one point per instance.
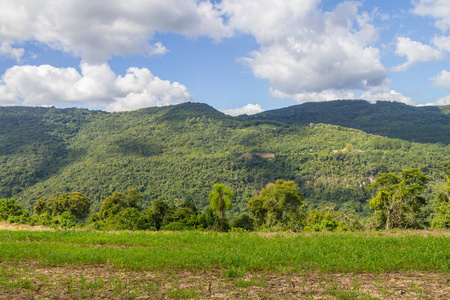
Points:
(426, 124)
(178, 152)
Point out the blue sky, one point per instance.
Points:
(240, 56)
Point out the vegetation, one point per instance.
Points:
(441, 207)
(426, 124)
(75, 203)
(86, 264)
(399, 199)
(279, 205)
(172, 156)
(220, 199)
(344, 252)
(11, 211)
(158, 169)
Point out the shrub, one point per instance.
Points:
(175, 226)
(9, 208)
(243, 221)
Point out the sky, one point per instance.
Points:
(239, 56)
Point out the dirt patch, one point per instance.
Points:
(15, 226)
(266, 155)
(263, 155)
(30, 280)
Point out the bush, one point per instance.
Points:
(130, 219)
(24, 218)
(64, 220)
(243, 221)
(9, 208)
(175, 226)
(76, 203)
(321, 221)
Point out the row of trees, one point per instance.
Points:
(398, 202)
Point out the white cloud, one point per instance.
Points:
(8, 51)
(381, 93)
(415, 52)
(249, 109)
(327, 95)
(443, 101)
(442, 43)
(96, 86)
(388, 95)
(437, 9)
(305, 52)
(442, 79)
(96, 30)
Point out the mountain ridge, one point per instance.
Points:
(178, 152)
(391, 119)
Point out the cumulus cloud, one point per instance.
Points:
(96, 86)
(442, 79)
(327, 95)
(96, 30)
(388, 95)
(442, 101)
(8, 51)
(442, 43)
(382, 93)
(437, 9)
(306, 53)
(415, 52)
(249, 109)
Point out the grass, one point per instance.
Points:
(201, 265)
(235, 253)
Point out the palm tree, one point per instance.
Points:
(220, 198)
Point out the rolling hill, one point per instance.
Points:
(426, 124)
(177, 153)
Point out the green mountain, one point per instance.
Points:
(426, 124)
(177, 153)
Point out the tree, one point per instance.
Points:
(9, 208)
(322, 220)
(279, 203)
(220, 199)
(441, 207)
(75, 203)
(118, 201)
(398, 199)
(349, 147)
(157, 213)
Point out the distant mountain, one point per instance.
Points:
(176, 153)
(426, 124)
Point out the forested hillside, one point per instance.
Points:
(177, 153)
(426, 124)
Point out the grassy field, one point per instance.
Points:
(90, 264)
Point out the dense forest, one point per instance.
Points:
(425, 124)
(173, 154)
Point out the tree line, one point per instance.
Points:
(397, 202)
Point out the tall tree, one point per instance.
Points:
(75, 203)
(398, 199)
(279, 203)
(441, 207)
(118, 201)
(220, 199)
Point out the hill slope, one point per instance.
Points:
(177, 153)
(427, 124)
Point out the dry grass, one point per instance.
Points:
(14, 226)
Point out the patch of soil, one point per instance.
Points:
(15, 226)
(30, 280)
(263, 155)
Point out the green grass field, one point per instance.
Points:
(245, 261)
